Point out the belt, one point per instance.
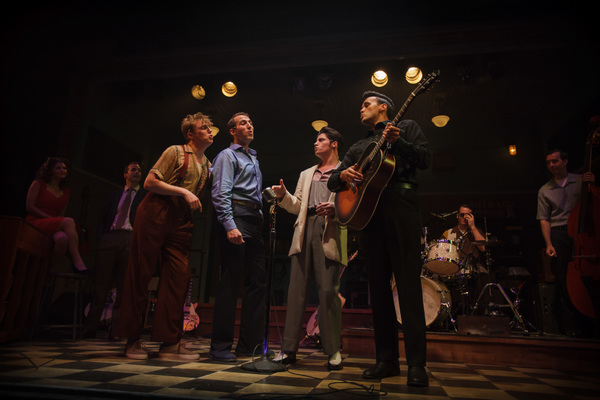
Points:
(250, 204)
(401, 185)
(560, 227)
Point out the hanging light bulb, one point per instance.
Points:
(319, 124)
(440, 120)
(379, 78)
(198, 92)
(414, 75)
(229, 89)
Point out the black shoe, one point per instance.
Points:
(382, 369)
(222, 355)
(417, 376)
(81, 272)
(88, 335)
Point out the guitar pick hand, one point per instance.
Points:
(351, 175)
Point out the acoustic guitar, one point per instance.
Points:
(356, 204)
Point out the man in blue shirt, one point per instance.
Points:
(237, 198)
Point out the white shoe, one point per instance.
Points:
(284, 358)
(280, 357)
(335, 362)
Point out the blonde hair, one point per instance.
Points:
(187, 124)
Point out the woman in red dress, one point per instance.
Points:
(46, 202)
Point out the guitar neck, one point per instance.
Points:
(188, 299)
(424, 85)
(403, 109)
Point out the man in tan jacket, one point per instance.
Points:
(319, 248)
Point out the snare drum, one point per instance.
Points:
(437, 301)
(442, 257)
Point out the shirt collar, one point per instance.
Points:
(331, 169)
(135, 188)
(571, 178)
(239, 147)
(379, 127)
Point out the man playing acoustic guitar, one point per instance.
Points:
(391, 241)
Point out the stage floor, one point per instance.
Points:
(55, 368)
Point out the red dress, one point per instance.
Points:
(51, 205)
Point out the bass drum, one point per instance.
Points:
(437, 301)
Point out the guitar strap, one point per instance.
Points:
(183, 170)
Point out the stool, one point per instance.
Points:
(77, 303)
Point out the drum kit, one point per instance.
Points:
(449, 281)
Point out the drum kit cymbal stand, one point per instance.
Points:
(518, 322)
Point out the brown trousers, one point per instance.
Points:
(161, 239)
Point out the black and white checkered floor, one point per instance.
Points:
(97, 369)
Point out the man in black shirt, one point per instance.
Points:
(391, 241)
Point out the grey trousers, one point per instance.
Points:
(311, 261)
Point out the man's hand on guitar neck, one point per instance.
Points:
(391, 133)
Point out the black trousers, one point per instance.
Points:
(392, 245)
(241, 265)
(109, 272)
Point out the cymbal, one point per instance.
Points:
(490, 243)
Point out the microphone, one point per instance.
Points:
(269, 195)
(445, 215)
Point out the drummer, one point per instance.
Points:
(464, 234)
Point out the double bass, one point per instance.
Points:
(583, 271)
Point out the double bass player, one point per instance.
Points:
(556, 200)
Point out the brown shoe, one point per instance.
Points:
(136, 350)
(177, 351)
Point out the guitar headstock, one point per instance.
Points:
(427, 83)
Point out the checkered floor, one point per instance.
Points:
(96, 369)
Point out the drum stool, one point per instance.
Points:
(77, 303)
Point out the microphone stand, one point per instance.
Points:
(264, 364)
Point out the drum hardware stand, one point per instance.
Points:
(425, 246)
(463, 288)
(452, 320)
(521, 324)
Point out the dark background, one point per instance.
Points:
(103, 83)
